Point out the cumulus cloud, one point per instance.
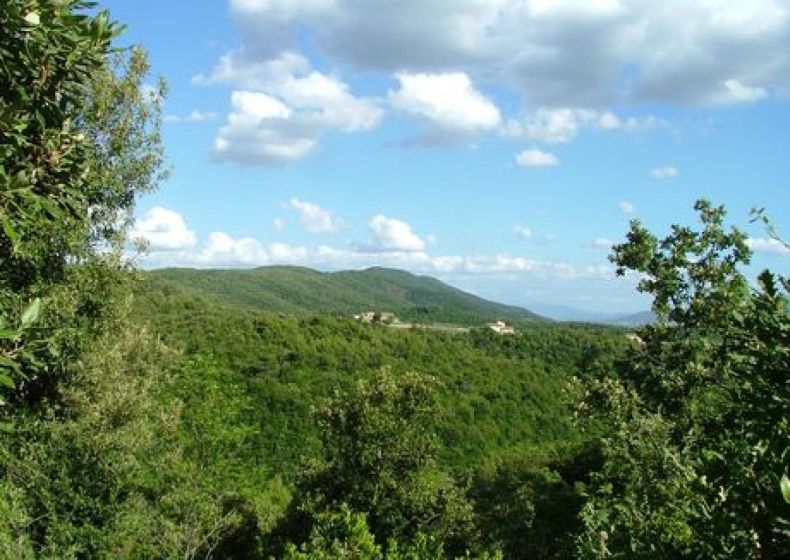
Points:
(626, 207)
(278, 224)
(222, 249)
(576, 53)
(390, 234)
(163, 230)
(665, 172)
(767, 245)
(286, 110)
(536, 158)
(316, 219)
(260, 131)
(448, 102)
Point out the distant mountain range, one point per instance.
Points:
(299, 290)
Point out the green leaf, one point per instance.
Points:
(784, 484)
(8, 333)
(30, 315)
(10, 232)
(8, 363)
(6, 381)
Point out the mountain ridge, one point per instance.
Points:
(302, 290)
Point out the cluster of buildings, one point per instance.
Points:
(500, 327)
(388, 318)
(376, 317)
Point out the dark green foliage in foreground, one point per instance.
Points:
(89, 461)
(528, 501)
(379, 458)
(700, 412)
(291, 289)
(77, 143)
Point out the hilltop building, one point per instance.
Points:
(500, 327)
(376, 317)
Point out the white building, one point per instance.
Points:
(500, 327)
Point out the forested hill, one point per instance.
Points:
(300, 290)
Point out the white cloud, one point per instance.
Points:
(536, 158)
(259, 131)
(665, 172)
(626, 207)
(222, 249)
(278, 224)
(286, 110)
(316, 219)
(193, 116)
(522, 231)
(561, 125)
(767, 245)
(449, 102)
(284, 253)
(163, 230)
(251, 73)
(390, 234)
(551, 125)
(577, 53)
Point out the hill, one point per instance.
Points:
(297, 290)
(575, 315)
(635, 319)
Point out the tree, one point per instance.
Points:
(89, 466)
(79, 140)
(698, 410)
(381, 462)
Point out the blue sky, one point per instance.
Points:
(500, 145)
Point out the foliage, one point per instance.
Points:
(91, 466)
(527, 501)
(78, 141)
(699, 410)
(345, 534)
(494, 392)
(380, 459)
(492, 395)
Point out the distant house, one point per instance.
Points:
(500, 327)
(376, 317)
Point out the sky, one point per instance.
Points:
(502, 146)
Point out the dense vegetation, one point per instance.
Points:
(148, 419)
(290, 289)
(494, 391)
